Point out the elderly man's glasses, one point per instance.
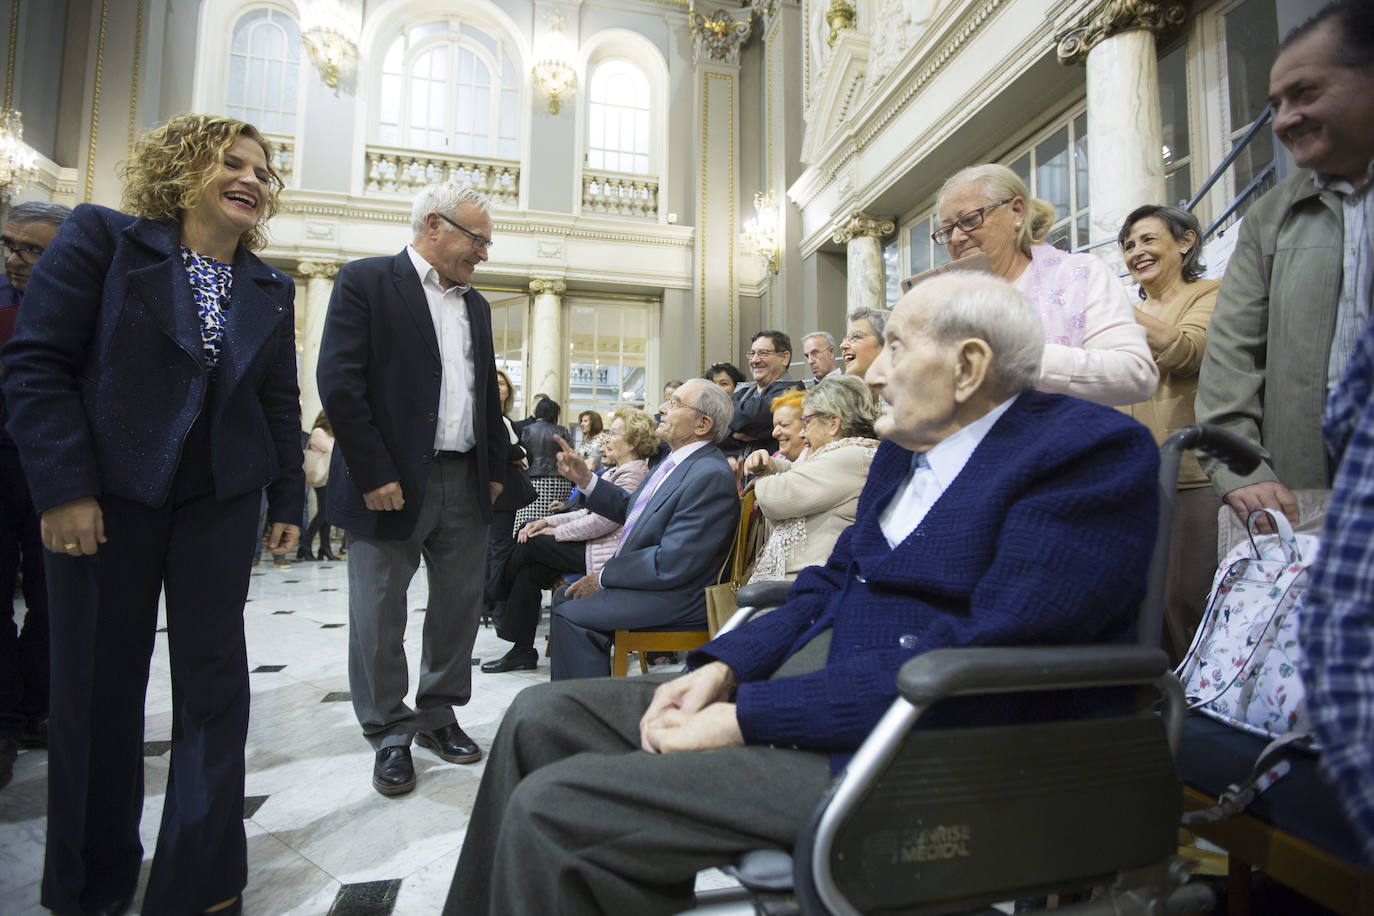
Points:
(478, 239)
(675, 402)
(27, 253)
(967, 222)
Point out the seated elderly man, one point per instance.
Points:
(678, 526)
(994, 514)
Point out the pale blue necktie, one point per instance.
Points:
(646, 493)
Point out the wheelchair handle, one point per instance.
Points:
(1239, 456)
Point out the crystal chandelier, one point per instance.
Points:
(330, 36)
(762, 233)
(17, 160)
(554, 72)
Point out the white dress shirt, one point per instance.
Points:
(932, 472)
(453, 432)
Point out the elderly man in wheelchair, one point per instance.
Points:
(994, 515)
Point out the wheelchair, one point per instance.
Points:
(955, 819)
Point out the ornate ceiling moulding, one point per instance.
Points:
(1113, 17)
(720, 34)
(860, 224)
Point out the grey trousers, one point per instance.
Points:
(450, 533)
(572, 817)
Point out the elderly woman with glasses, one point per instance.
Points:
(1094, 349)
(809, 503)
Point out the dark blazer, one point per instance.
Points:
(379, 375)
(105, 375)
(754, 415)
(677, 545)
(1043, 538)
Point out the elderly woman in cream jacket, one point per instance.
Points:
(808, 503)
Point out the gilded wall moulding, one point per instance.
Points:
(719, 35)
(539, 286)
(1113, 17)
(860, 224)
(324, 270)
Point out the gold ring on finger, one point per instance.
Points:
(70, 546)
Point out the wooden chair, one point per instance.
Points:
(740, 561)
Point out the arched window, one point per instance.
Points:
(449, 88)
(264, 71)
(618, 118)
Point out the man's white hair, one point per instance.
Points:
(978, 304)
(715, 403)
(444, 197)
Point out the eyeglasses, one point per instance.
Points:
(967, 222)
(856, 336)
(478, 239)
(675, 402)
(760, 353)
(27, 253)
(807, 418)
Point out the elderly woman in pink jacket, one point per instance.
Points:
(567, 544)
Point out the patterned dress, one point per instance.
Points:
(211, 284)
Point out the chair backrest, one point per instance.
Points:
(748, 539)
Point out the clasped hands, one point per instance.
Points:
(692, 713)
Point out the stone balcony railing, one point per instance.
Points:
(392, 170)
(619, 194)
(283, 157)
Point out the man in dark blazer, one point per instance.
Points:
(408, 378)
(678, 525)
(993, 515)
(770, 353)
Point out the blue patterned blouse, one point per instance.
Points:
(211, 283)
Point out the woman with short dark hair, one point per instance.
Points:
(542, 449)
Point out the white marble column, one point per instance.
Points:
(866, 283)
(319, 287)
(1125, 134)
(547, 346)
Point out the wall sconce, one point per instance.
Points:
(763, 231)
(331, 38)
(554, 72)
(17, 160)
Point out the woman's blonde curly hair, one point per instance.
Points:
(172, 166)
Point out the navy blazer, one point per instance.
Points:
(1044, 538)
(677, 545)
(379, 375)
(105, 375)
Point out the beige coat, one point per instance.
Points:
(823, 491)
(1171, 407)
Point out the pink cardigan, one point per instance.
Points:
(601, 534)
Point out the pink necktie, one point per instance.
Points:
(646, 493)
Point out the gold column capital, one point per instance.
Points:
(720, 34)
(860, 224)
(1111, 17)
(540, 286)
(316, 269)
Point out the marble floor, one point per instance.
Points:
(310, 807)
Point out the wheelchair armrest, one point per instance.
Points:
(768, 593)
(943, 673)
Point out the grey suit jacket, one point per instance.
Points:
(677, 545)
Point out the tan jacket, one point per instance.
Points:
(1171, 407)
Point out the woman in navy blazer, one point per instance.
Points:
(152, 390)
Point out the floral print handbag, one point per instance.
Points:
(1242, 668)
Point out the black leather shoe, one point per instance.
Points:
(450, 743)
(516, 659)
(393, 773)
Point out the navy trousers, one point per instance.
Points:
(104, 616)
